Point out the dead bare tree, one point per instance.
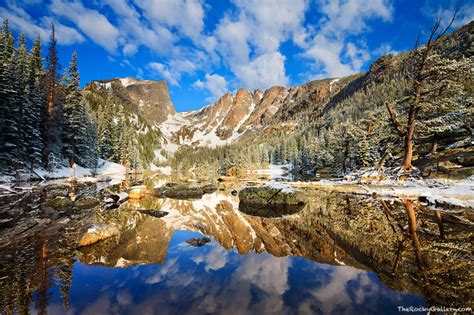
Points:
(423, 74)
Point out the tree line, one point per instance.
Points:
(44, 121)
(47, 121)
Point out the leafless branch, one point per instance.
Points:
(455, 14)
(394, 119)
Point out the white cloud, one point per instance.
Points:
(91, 22)
(185, 15)
(385, 49)
(271, 21)
(165, 72)
(20, 20)
(329, 48)
(445, 14)
(264, 71)
(215, 84)
(249, 41)
(173, 70)
(135, 31)
(233, 37)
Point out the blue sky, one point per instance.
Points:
(205, 48)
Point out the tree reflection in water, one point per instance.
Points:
(311, 261)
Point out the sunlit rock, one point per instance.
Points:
(97, 233)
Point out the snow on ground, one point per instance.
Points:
(454, 192)
(331, 83)
(126, 81)
(111, 169)
(159, 156)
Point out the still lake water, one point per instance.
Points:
(342, 254)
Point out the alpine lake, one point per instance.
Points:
(342, 253)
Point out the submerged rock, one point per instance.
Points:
(60, 203)
(86, 202)
(272, 193)
(209, 188)
(198, 242)
(98, 232)
(154, 213)
(183, 191)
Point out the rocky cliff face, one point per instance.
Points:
(146, 97)
(233, 117)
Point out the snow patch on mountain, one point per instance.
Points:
(126, 81)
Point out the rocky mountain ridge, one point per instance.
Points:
(225, 121)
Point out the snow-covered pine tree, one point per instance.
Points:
(32, 125)
(75, 113)
(9, 102)
(87, 143)
(104, 136)
(23, 92)
(52, 125)
(33, 115)
(445, 102)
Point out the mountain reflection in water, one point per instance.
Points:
(342, 254)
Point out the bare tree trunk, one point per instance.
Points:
(384, 157)
(410, 131)
(434, 146)
(344, 160)
(419, 79)
(439, 217)
(412, 229)
(398, 257)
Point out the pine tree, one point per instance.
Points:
(34, 107)
(10, 134)
(52, 130)
(74, 111)
(32, 124)
(92, 145)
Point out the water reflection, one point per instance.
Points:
(342, 254)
